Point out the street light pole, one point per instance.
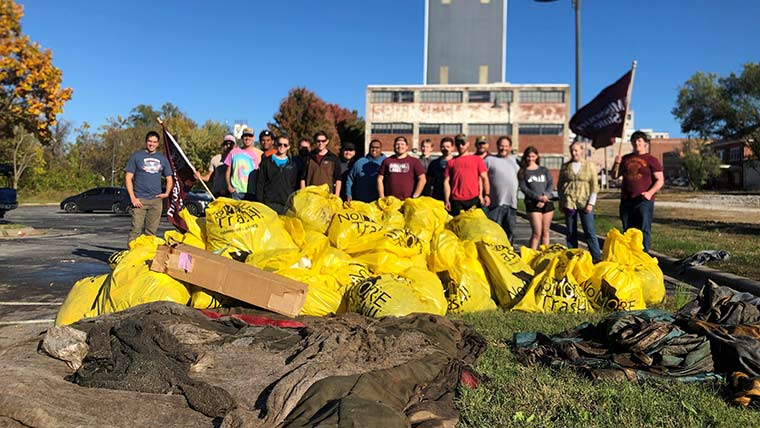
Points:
(577, 7)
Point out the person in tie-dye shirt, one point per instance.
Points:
(241, 164)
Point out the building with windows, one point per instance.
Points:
(532, 115)
(465, 41)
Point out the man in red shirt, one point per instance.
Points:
(465, 182)
(397, 174)
(642, 178)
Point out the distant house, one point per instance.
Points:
(736, 171)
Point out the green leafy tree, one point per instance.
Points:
(699, 162)
(723, 107)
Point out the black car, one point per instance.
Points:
(8, 199)
(116, 200)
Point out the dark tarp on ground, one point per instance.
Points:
(337, 371)
(715, 334)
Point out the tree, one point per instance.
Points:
(26, 153)
(348, 123)
(700, 163)
(302, 113)
(723, 107)
(30, 86)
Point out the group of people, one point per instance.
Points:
(488, 181)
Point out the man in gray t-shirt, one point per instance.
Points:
(502, 173)
(143, 180)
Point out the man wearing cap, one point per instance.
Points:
(277, 177)
(322, 167)
(400, 175)
(642, 178)
(502, 176)
(347, 159)
(241, 164)
(481, 147)
(266, 140)
(217, 169)
(437, 168)
(361, 181)
(465, 182)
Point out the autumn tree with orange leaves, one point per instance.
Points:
(30, 85)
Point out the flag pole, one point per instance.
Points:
(616, 167)
(184, 157)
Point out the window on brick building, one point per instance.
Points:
(440, 128)
(489, 129)
(736, 154)
(552, 161)
(541, 129)
(392, 128)
(392, 96)
(441, 96)
(542, 96)
(490, 96)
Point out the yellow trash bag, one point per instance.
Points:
(370, 209)
(196, 231)
(243, 227)
(324, 295)
(295, 229)
(346, 270)
(554, 290)
(463, 278)
(115, 258)
(628, 249)
(80, 302)
(397, 241)
(390, 206)
(380, 262)
(202, 299)
(133, 283)
(349, 227)
(272, 261)
(417, 290)
(473, 225)
(614, 286)
(540, 259)
(507, 273)
(424, 217)
(314, 206)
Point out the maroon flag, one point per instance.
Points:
(602, 119)
(183, 174)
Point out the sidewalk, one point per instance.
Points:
(694, 276)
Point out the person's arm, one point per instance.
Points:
(169, 185)
(128, 181)
(260, 179)
(380, 186)
(485, 199)
(594, 187)
(421, 180)
(617, 168)
(350, 181)
(549, 185)
(227, 178)
(447, 193)
(338, 184)
(659, 180)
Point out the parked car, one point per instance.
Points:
(8, 197)
(114, 199)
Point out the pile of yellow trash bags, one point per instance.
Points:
(389, 257)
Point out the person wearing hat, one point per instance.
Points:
(242, 163)
(217, 169)
(481, 147)
(266, 140)
(642, 178)
(347, 159)
(465, 182)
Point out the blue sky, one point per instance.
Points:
(232, 60)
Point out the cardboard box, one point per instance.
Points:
(231, 278)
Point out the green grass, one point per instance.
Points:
(45, 196)
(513, 395)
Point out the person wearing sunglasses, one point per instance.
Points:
(277, 177)
(323, 166)
(217, 169)
(465, 182)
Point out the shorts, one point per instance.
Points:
(532, 207)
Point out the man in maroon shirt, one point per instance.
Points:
(642, 178)
(397, 174)
(465, 182)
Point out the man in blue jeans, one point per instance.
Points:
(642, 178)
